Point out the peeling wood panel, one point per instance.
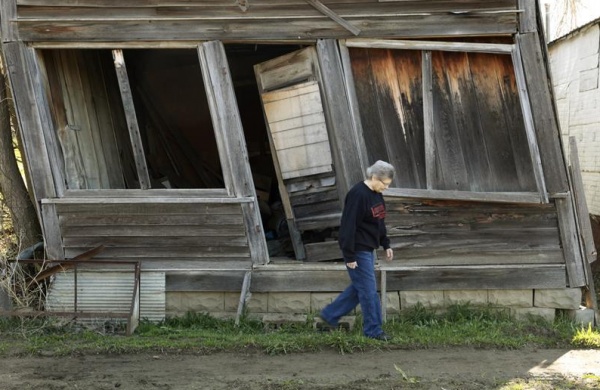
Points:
(390, 99)
(438, 231)
(478, 120)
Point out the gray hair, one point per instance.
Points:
(381, 169)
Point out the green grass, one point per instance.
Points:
(460, 325)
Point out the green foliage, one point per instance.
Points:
(459, 325)
(587, 337)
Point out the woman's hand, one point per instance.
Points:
(389, 254)
(352, 265)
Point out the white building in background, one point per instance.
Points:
(573, 36)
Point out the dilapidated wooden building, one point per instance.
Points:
(214, 142)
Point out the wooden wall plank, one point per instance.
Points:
(153, 231)
(431, 172)
(417, 278)
(544, 115)
(230, 139)
(132, 123)
(493, 277)
(409, 5)
(433, 25)
(205, 281)
(175, 252)
(149, 207)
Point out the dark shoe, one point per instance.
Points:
(324, 326)
(382, 337)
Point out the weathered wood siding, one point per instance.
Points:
(162, 235)
(127, 20)
(89, 120)
(478, 127)
(468, 233)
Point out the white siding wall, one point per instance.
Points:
(575, 77)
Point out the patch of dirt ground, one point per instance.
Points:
(456, 368)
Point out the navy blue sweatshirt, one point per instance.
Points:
(362, 227)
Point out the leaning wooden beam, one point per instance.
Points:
(544, 115)
(67, 264)
(132, 123)
(338, 19)
(582, 212)
(134, 310)
(243, 296)
(524, 99)
(231, 142)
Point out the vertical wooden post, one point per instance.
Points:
(8, 19)
(428, 122)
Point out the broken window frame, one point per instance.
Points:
(541, 196)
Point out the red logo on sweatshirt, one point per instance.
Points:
(378, 211)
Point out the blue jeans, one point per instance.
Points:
(363, 290)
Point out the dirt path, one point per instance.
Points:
(423, 369)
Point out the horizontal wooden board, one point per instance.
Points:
(321, 251)
(152, 241)
(69, 219)
(415, 5)
(156, 231)
(318, 281)
(149, 193)
(145, 253)
(149, 208)
(420, 25)
(416, 278)
(425, 257)
(205, 281)
(457, 278)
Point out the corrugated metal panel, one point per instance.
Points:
(108, 291)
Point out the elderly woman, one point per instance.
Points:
(362, 230)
